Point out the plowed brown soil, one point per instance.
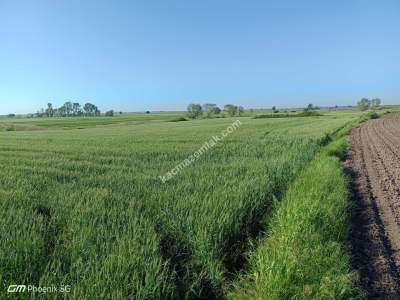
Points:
(374, 163)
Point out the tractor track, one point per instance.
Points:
(374, 164)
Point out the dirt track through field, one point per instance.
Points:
(374, 163)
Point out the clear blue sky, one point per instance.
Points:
(162, 55)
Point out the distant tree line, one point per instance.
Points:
(210, 110)
(71, 109)
(366, 103)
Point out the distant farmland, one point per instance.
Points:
(85, 206)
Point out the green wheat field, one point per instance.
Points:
(82, 204)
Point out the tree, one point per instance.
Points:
(230, 109)
(76, 109)
(91, 110)
(69, 108)
(97, 111)
(88, 109)
(147, 111)
(240, 110)
(109, 113)
(310, 106)
(11, 115)
(273, 108)
(194, 110)
(49, 110)
(364, 104)
(211, 109)
(62, 111)
(375, 102)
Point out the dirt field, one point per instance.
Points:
(374, 163)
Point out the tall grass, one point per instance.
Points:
(86, 207)
(304, 255)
